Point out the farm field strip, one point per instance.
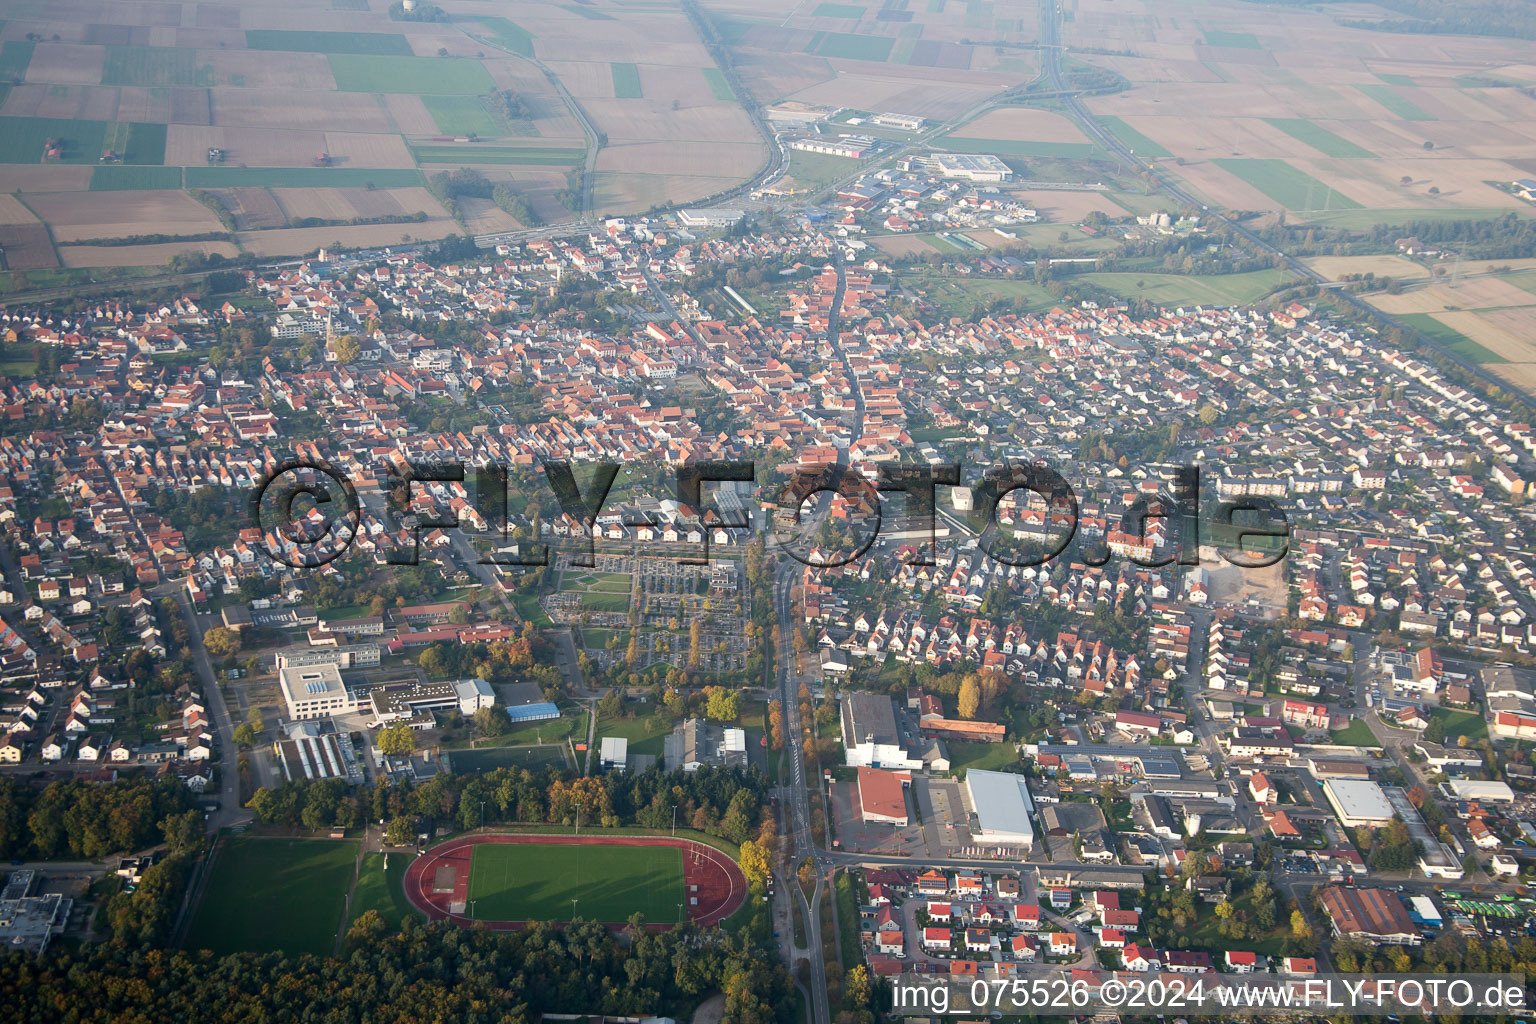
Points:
(1291, 188)
(1318, 137)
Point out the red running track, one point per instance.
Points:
(721, 887)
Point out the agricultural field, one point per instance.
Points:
(296, 908)
(1291, 188)
(235, 97)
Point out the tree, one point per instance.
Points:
(754, 862)
(1299, 927)
(399, 832)
(723, 705)
(221, 642)
(1434, 190)
(396, 740)
(245, 735)
(346, 349)
(369, 925)
(492, 721)
(1434, 732)
(970, 697)
(254, 718)
(1208, 414)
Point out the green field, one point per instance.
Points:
(1291, 188)
(1185, 290)
(508, 35)
(626, 81)
(471, 153)
(302, 177)
(1234, 40)
(853, 11)
(849, 46)
(485, 759)
(1358, 734)
(421, 76)
(1133, 139)
(958, 296)
(1450, 339)
(1403, 108)
(382, 888)
(15, 55)
(154, 66)
(1318, 137)
(22, 139)
(461, 115)
(536, 882)
(274, 894)
(1020, 147)
(718, 85)
(598, 601)
(378, 43)
(813, 170)
(1461, 723)
(120, 178)
(985, 756)
(1391, 79)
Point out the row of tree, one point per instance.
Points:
(73, 818)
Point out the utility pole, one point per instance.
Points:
(674, 818)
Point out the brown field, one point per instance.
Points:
(253, 208)
(638, 120)
(263, 69)
(27, 246)
(733, 159)
(291, 241)
(137, 255)
(1023, 123)
(14, 211)
(1335, 267)
(346, 203)
(775, 77)
(908, 90)
(1521, 375)
(299, 110)
(85, 102)
(1069, 207)
(67, 64)
(484, 217)
(209, 38)
(625, 192)
(585, 79)
(83, 215)
(903, 245)
(410, 115)
(1507, 333)
(44, 177)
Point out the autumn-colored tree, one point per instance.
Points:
(776, 725)
(396, 740)
(970, 697)
(221, 642)
(754, 862)
(722, 705)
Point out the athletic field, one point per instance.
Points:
(537, 881)
(274, 894)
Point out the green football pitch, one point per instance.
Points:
(537, 881)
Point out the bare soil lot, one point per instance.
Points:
(84, 215)
(27, 246)
(137, 255)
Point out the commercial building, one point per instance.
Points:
(342, 656)
(883, 795)
(614, 754)
(416, 702)
(1357, 803)
(855, 147)
(29, 922)
(1002, 811)
(316, 691)
(1375, 915)
(1479, 790)
(312, 751)
(970, 167)
(871, 738)
(709, 217)
(696, 744)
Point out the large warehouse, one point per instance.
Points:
(1004, 813)
(883, 795)
(1358, 803)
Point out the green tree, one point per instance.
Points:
(399, 832)
(346, 349)
(221, 642)
(397, 740)
(245, 735)
(723, 705)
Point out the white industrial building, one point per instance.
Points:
(1358, 802)
(979, 167)
(614, 755)
(1480, 790)
(870, 736)
(1003, 810)
(315, 691)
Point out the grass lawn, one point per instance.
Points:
(1205, 936)
(1450, 339)
(22, 139)
(598, 601)
(1318, 137)
(986, 756)
(718, 85)
(1020, 147)
(1133, 139)
(15, 55)
(274, 894)
(1235, 40)
(1358, 734)
(382, 888)
(303, 177)
(485, 759)
(958, 296)
(850, 46)
(637, 730)
(155, 66)
(536, 882)
(1183, 289)
(376, 43)
(814, 170)
(119, 178)
(508, 35)
(461, 115)
(626, 81)
(528, 607)
(422, 76)
(552, 730)
(1395, 102)
(1291, 188)
(1461, 723)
